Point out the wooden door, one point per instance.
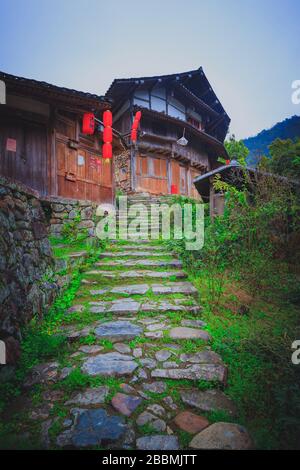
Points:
(151, 174)
(23, 152)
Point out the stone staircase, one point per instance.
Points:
(145, 201)
(135, 325)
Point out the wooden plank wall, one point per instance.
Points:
(81, 172)
(152, 176)
(28, 164)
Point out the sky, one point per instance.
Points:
(249, 49)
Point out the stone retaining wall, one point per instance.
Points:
(25, 257)
(66, 211)
(30, 277)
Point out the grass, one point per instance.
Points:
(257, 348)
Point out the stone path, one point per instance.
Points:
(138, 339)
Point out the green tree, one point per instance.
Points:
(236, 150)
(285, 158)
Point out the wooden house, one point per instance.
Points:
(240, 177)
(41, 144)
(172, 106)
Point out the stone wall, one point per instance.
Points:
(66, 211)
(122, 171)
(25, 258)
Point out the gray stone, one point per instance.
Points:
(67, 423)
(163, 306)
(118, 330)
(138, 254)
(148, 363)
(142, 374)
(170, 365)
(155, 387)
(194, 323)
(202, 357)
(148, 418)
(157, 442)
(174, 288)
(110, 364)
(170, 403)
(158, 410)
(126, 404)
(148, 321)
(92, 350)
(154, 334)
(65, 372)
(98, 291)
(209, 400)
(122, 348)
(75, 309)
(64, 439)
(99, 307)
(41, 413)
(162, 355)
(90, 397)
(127, 388)
(209, 372)
(45, 438)
(223, 436)
(95, 427)
(156, 326)
(125, 306)
(182, 332)
(131, 289)
(42, 373)
(137, 352)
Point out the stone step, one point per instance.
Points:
(139, 273)
(143, 262)
(133, 307)
(137, 247)
(137, 254)
(158, 289)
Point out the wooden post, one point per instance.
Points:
(133, 168)
(169, 174)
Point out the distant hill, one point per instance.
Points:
(258, 145)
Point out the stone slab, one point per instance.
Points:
(118, 331)
(110, 364)
(223, 436)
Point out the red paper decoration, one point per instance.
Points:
(88, 123)
(135, 126)
(174, 189)
(107, 135)
(107, 118)
(107, 151)
(133, 135)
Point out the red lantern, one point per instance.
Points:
(107, 151)
(107, 135)
(138, 116)
(88, 123)
(133, 135)
(135, 125)
(107, 118)
(174, 189)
